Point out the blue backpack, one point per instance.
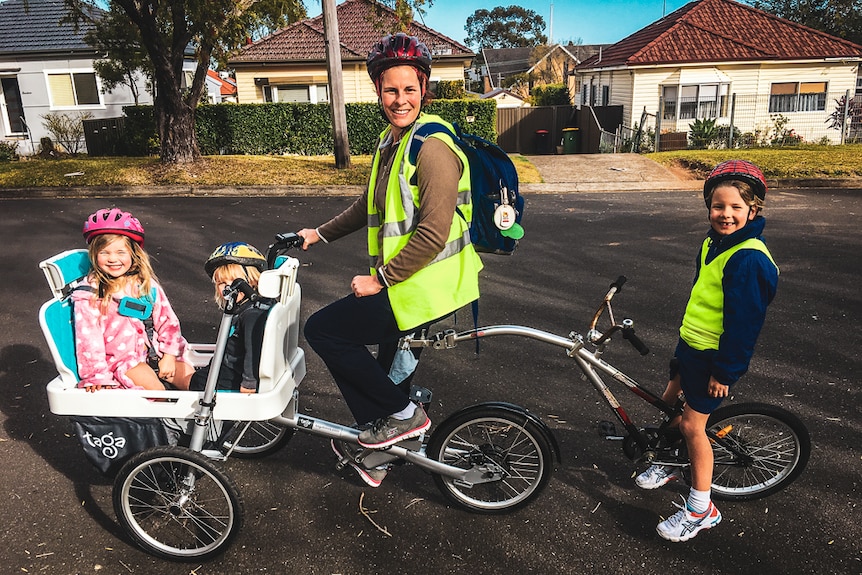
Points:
(497, 205)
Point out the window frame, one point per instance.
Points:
(699, 105)
(312, 93)
(799, 98)
(71, 73)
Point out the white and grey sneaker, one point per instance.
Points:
(656, 476)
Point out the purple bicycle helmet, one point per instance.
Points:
(736, 170)
(113, 221)
(396, 50)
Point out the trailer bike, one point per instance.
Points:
(176, 501)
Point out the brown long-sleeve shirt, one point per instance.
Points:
(438, 171)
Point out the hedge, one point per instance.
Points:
(290, 128)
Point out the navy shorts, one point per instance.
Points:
(695, 369)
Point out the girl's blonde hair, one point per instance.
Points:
(141, 271)
(746, 192)
(227, 273)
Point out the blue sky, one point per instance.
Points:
(595, 22)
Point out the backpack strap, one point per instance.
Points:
(426, 130)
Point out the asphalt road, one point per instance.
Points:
(303, 516)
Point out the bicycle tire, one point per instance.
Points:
(775, 447)
(496, 441)
(262, 438)
(177, 504)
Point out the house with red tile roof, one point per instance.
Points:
(696, 62)
(290, 64)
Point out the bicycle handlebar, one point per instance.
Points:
(629, 334)
(283, 242)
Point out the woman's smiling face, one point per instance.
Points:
(400, 97)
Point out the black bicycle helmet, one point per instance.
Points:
(235, 253)
(396, 50)
(736, 170)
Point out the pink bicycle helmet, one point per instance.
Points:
(113, 221)
(395, 50)
(736, 170)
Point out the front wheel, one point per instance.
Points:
(508, 457)
(760, 449)
(177, 504)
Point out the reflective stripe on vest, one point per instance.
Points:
(450, 280)
(703, 322)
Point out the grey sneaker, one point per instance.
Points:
(388, 431)
(346, 454)
(656, 476)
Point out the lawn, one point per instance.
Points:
(826, 162)
(209, 171)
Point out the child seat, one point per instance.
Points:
(282, 362)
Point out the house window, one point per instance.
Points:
(797, 97)
(10, 103)
(606, 95)
(314, 94)
(75, 89)
(669, 97)
(695, 101)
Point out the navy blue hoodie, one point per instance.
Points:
(749, 284)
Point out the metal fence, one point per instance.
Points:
(735, 121)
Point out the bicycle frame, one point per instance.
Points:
(590, 364)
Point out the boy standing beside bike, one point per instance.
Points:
(735, 281)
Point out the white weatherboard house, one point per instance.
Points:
(46, 67)
(694, 61)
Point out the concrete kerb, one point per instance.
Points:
(335, 191)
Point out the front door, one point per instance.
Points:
(11, 109)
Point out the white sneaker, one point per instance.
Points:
(685, 523)
(656, 476)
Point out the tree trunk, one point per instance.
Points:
(175, 121)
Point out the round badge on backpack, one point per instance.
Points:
(504, 217)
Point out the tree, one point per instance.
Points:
(841, 18)
(169, 30)
(512, 27)
(125, 58)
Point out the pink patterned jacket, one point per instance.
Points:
(107, 346)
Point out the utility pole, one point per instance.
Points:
(336, 85)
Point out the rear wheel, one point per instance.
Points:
(260, 439)
(508, 458)
(761, 450)
(177, 504)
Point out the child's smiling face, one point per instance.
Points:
(115, 259)
(729, 212)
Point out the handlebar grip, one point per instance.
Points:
(241, 285)
(619, 283)
(629, 334)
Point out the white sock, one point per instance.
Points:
(698, 501)
(405, 413)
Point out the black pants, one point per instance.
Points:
(339, 334)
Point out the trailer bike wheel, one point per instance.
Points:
(509, 458)
(762, 449)
(177, 504)
(262, 438)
